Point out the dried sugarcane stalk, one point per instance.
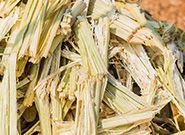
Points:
(29, 96)
(7, 6)
(136, 61)
(49, 42)
(49, 34)
(32, 36)
(54, 6)
(8, 86)
(116, 125)
(123, 101)
(5, 105)
(102, 32)
(7, 23)
(95, 84)
(56, 108)
(135, 31)
(89, 67)
(42, 101)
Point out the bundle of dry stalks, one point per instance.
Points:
(89, 67)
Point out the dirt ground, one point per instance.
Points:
(169, 10)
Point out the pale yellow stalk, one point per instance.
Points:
(42, 101)
(29, 96)
(7, 23)
(102, 33)
(49, 39)
(7, 7)
(134, 30)
(12, 88)
(56, 105)
(138, 65)
(4, 104)
(32, 36)
(120, 124)
(124, 99)
(8, 101)
(9, 46)
(48, 35)
(94, 65)
(55, 5)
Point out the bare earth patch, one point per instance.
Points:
(169, 10)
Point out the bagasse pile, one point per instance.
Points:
(89, 67)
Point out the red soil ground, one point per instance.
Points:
(169, 10)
